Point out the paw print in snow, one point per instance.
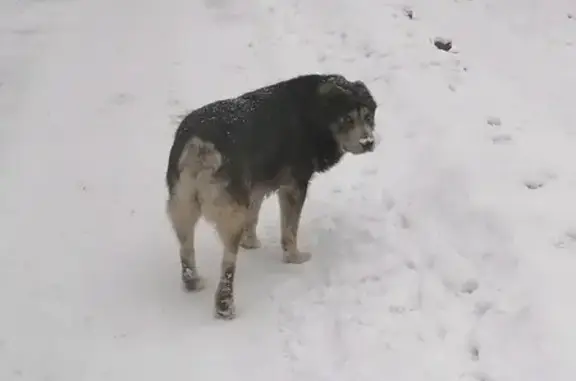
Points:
(539, 180)
(469, 287)
(408, 12)
(533, 184)
(122, 99)
(567, 240)
(494, 121)
(480, 308)
(502, 139)
(474, 351)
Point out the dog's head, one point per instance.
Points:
(351, 110)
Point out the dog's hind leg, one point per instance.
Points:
(230, 219)
(249, 237)
(292, 200)
(184, 211)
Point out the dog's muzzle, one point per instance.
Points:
(368, 144)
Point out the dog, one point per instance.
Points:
(229, 155)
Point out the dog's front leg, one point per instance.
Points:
(291, 202)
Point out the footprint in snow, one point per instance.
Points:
(494, 121)
(571, 234)
(539, 180)
(408, 12)
(567, 240)
(122, 99)
(501, 138)
(405, 222)
(533, 184)
(410, 264)
(480, 308)
(397, 310)
(474, 351)
(469, 287)
(370, 171)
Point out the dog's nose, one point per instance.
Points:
(367, 144)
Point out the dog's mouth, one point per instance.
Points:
(358, 151)
(368, 145)
(363, 146)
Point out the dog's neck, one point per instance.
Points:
(327, 153)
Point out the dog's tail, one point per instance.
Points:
(199, 156)
(198, 159)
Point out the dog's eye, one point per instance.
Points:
(348, 119)
(368, 119)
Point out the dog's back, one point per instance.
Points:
(260, 133)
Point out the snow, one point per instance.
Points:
(448, 254)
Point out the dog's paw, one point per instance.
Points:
(192, 281)
(225, 314)
(224, 300)
(225, 309)
(296, 257)
(250, 241)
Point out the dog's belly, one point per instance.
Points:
(269, 185)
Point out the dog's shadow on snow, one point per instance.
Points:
(330, 234)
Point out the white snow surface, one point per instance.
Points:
(448, 254)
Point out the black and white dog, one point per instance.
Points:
(227, 156)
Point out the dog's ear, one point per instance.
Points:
(333, 86)
(359, 85)
(364, 94)
(360, 88)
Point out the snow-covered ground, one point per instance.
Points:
(448, 254)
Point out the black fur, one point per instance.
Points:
(260, 134)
